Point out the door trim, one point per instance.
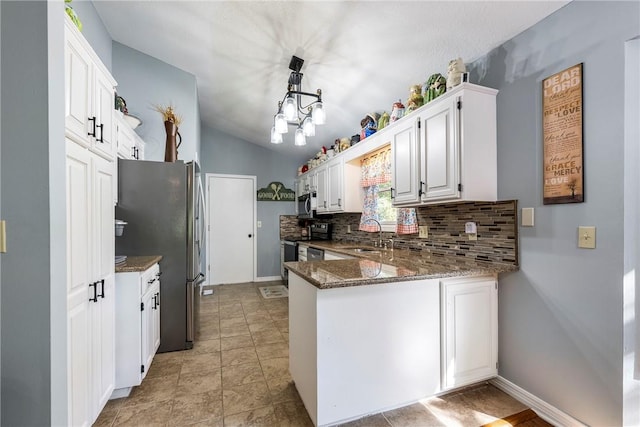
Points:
(208, 176)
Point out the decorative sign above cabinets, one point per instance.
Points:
(276, 192)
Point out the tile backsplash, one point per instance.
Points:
(496, 226)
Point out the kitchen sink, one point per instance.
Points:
(366, 250)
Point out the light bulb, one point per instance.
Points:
(300, 138)
(280, 124)
(276, 137)
(318, 114)
(290, 108)
(308, 127)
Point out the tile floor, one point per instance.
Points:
(237, 375)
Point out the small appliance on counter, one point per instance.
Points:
(320, 231)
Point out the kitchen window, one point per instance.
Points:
(378, 205)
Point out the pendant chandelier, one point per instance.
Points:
(292, 112)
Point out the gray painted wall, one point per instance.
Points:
(143, 82)
(561, 314)
(226, 154)
(27, 282)
(93, 30)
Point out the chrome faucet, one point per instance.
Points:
(379, 230)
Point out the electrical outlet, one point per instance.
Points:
(472, 236)
(348, 228)
(423, 231)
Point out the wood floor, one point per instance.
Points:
(237, 375)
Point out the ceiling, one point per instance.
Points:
(364, 55)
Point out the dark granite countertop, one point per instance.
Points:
(137, 263)
(386, 266)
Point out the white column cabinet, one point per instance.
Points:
(405, 163)
(90, 188)
(469, 319)
(137, 325)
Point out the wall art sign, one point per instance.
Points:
(276, 192)
(562, 137)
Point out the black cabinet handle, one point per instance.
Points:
(101, 126)
(101, 288)
(158, 300)
(420, 192)
(93, 133)
(392, 196)
(151, 281)
(250, 235)
(95, 292)
(158, 274)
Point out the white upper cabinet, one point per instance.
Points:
(439, 173)
(322, 190)
(404, 166)
(335, 185)
(89, 96)
(452, 154)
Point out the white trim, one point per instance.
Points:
(544, 410)
(268, 278)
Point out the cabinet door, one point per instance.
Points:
(470, 330)
(78, 171)
(322, 192)
(124, 140)
(404, 167)
(147, 324)
(104, 141)
(439, 174)
(156, 318)
(335, 186)
(103, 310)
(77, 90)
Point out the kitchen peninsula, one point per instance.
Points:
(386, 328)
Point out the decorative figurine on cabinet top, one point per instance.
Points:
(398, 111)
(383, 121)
(454, 72)
(435, 86)
(369, 125)
(415, 98)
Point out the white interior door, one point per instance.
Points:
(231, 224)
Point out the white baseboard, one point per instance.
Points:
(547, 412)
(268, 278)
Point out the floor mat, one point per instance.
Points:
(269, 292)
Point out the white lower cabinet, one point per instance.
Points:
(469, 319)
(137, 326)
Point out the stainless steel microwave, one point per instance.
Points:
(306, 205)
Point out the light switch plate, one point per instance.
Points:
(587, 237)
(423, 231)
(527, 217)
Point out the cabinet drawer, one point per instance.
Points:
(148, 278)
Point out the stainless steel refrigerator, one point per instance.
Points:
(163, 204)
